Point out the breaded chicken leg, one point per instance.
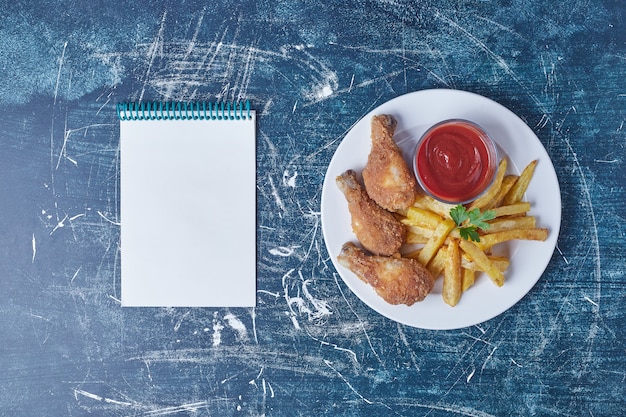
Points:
(396, 280)
(377, 229)
(387, 178)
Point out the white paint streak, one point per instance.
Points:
(303, 302)
(77, 217)
(66, 137)
(183, 408)
(591, 301)
(155, 47)
(478, 339)
(180, 321)
(273, 294)
(217, 330)
(63, 147)
(294, 320)
(371, 81)
(480, 329)
(107, 219)
(562, 255)
(336, 347)
(59, 225)
(34, 246)
(75, 275)
(361, 323)
(290, 181)
(283, 251)
(115, 299)
(147, 363)
(253, 316)
(279, 201)
(488, 359)
(61, 60)
(329, 364)
(321, 307)
(97, 397)
(408, 347)
(192, 42)
(470, 375)
(236, 324)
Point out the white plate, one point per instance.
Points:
(415, 112)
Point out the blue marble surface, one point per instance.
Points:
(310, 347)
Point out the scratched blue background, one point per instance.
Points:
(311, 68)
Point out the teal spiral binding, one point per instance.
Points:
(167, 110)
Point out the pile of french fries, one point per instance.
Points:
(442, 250)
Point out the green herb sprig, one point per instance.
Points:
(468, 222)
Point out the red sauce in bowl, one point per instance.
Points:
(455, 161)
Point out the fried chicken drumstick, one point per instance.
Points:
(377, 229)
(387, 178)
(396, 280)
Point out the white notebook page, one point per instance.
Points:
(188, 212)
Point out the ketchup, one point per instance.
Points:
(455, 161)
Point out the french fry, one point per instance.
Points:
(484, 199)
(490, 239)
(468, 279)
(476, 254)
(452, 276)
(499, 225)
(438, 263)
(445, 253)
(507, 183)
(417, 216)
(518, 189)
(418, 234)
(454, 233)
(512, 209)
(427, 202)
(500, 262)
(436, 240)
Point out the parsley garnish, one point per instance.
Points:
(468, 222)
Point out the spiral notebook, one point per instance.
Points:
(187, 204)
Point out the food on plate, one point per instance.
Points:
(491, 239)
(455, 161)
(386, 176)
(505, 186)
(512, 210)
(514, 195)
(423, 217)
(453, 275)
(428, 203)
(492, 192)
(468, 279)
(435, 241)
(483, 262)
(469, 222)
(477, 230)
(407, 246)
(378, 230)
(509, 223)
(397, 280)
